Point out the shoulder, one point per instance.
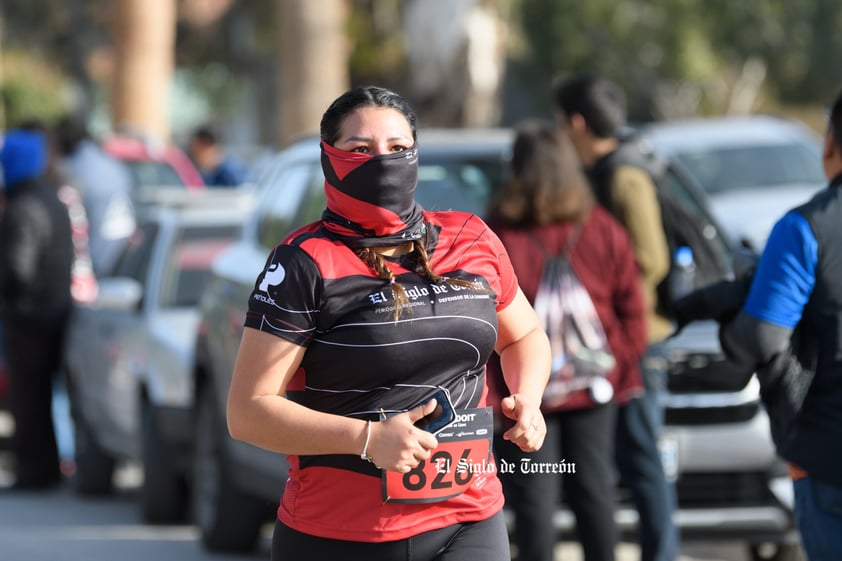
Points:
(603, 226)
(792, 234)
(454, 219)
(630, 176)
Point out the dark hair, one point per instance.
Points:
(598, 100)
(69, 133)
(834, 120)
(205, 134)
(547, 184)
(368, 96)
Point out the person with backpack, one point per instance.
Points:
(557, 236)
(593, 111)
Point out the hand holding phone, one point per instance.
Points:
(440, 417)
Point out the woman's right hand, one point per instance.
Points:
(396, 444)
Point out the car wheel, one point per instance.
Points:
(228, 519)
(94, 467)
(163, 495)
(776, 552)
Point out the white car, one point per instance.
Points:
(129, 353)
(753, 168)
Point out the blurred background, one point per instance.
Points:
(264, 70)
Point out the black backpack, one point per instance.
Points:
(682, 225)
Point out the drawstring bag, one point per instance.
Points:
(581, 358)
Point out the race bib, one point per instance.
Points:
(462, 459)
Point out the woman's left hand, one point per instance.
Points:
(530, 429)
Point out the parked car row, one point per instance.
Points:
(129, 353)
(153, 385)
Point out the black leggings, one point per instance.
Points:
(486, 540)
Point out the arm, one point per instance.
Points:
(259, 413)
(780, 289)
(635, 204)
(628, 304)
(525, 360)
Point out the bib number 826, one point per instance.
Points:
(447, 473)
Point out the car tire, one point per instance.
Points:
(228, 519)
(163, 494)
(94, 467)
(776, 552)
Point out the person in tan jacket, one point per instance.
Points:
(593, 110)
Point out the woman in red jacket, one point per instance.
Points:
(547, 209)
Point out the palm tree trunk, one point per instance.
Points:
(313, 55)
(144, 37)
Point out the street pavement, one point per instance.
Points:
(58, 525)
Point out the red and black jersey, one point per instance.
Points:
(315, 292)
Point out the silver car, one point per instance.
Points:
(129, 353)
(722, 494)
(753, 168)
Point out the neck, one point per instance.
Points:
(392, 250)
(597, 149)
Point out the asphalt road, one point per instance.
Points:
(58, 525)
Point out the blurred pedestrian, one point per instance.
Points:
(218, 168)
(789, 332)
(36, 257)
(545, 209)
(355, 322)
(105, 187)
(593, 110)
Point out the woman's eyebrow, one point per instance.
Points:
(369, 139)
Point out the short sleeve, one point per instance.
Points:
(506, 278)
(286, 296)
(786, 273)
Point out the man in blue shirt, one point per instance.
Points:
(790, 331)
(217, 168)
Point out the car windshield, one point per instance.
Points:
(466, 186)
(153, 173)
(727, 168)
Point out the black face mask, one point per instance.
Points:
(371, 199)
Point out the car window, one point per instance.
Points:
(281, 203)
(464, 186)
(133, 262)
(718, 253)
(189, 263)
(724, 169)
(153, 173)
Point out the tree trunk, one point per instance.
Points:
(456, 52)
(313, 62)
(144, 38)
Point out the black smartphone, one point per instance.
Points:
(440, 417)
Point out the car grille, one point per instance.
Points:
(734, 489)
(704, 373)
(706, 389)
(711, 415)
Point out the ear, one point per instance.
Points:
(578, 123)
(829, 146)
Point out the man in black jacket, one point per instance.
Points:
(36, 255)
(790, 331)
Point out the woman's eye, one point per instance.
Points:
(360, 149)
(398, 148)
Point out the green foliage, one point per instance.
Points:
(661, 50)
(31, 88)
